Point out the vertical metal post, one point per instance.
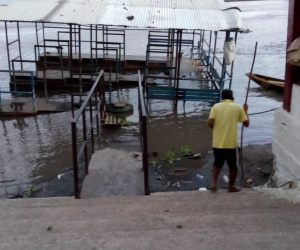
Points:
(13, 76)
(7, 45)
(103, 38)
(215, 47)
(75, 40)
(91, 48)
(37, 38)
(96, 38)
(33, 91)
(79, 60)
(147, 60)
(75, 163)
(145, 156)
(176, 60)
(223, 75)
(43, 27)
(44, 72)
(109, 77)
(232, 64)
(168, 49)
(96, 107)
(19, 43)
(124, 39)
(107, 39)
(209, 49)
(86, 163)
(92, 126)
(178, 65)
(71, 69)
(202, 40)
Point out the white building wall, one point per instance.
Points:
(286, 142)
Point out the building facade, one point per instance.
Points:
(286, 140)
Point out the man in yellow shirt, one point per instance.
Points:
(223, 120)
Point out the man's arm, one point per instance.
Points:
(211, 123)
(247, 122)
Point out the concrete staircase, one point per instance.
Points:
(182, 220)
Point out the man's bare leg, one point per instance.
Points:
(232, 177)
(214, 183)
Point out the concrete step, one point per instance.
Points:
(245, 220)
(121, 209)
(185, 197)
(149, 222)
(198, 239)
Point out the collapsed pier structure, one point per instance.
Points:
(87, 36)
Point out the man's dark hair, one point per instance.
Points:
(227, 94)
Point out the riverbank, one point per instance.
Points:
(192, 174)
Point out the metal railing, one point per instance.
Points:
(15, 92)
(143, 134)
(97, 91)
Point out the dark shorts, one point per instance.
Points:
(228, 154)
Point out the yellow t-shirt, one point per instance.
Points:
(226, 114)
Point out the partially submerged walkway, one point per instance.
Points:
(23, 106)
(113, 172)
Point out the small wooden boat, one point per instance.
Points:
(267, 82)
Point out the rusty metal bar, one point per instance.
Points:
(75, 162)
(7, 46)
(71, 69)
(143, 134)
(85, 139)
(19, 43)
(178, 65)
(92, 126)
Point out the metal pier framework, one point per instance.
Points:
(74, 55)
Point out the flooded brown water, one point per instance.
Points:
(37, 149)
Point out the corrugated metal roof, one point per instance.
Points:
(160, 14)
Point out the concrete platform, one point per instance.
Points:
(43, 105)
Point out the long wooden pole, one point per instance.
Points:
(242, 133)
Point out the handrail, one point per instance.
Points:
(96, 91)
(143, 133)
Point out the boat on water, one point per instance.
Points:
(267, 82)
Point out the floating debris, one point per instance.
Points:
(177, 171)
(249, 183)
(59, 176)
(200, 176)
(166, 186)
(196, 156)
(135, 154)
(205, 166)
(177, 184)
(225, 178)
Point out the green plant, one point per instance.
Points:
(29, 191)
(186, 149)
(124, 122)
(153, 162)
(170, 155)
